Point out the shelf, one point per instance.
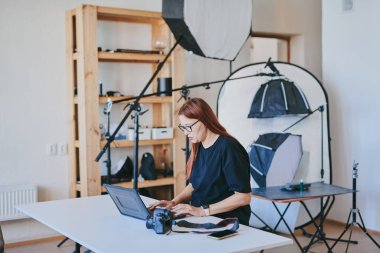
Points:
(127, 57)
(147, 100)
(135, 16)
(127, 144)
(131, 57)
(147, 183)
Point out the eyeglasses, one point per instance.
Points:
(187, 128)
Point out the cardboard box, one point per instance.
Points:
(162, 133)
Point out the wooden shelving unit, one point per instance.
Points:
(83, 58)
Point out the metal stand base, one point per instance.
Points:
(351, 225)
(353, 212)
(321, 236)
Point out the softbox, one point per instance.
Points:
(209, 28)
(278, 97)
(274, 158)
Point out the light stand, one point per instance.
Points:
(321, 109)
(137, 109)
(107, 111)
(353, 212)
(319, 234)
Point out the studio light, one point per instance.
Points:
(274, 158)
(209, 28)
(278, 97)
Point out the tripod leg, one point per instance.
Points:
(344, 231)
(362, 226)
(349, 238)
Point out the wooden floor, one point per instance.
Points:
(333, 230)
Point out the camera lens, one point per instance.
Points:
(149, 223)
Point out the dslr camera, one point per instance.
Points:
(161, 221)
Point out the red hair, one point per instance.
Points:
(197, 108)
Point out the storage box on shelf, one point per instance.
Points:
(83, 60)
(144, 134)
(162, 133)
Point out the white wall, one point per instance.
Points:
(350, 65)
(34, 98)
(301, 19)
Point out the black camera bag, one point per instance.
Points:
(126, 171)
(148, 169)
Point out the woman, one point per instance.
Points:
(217, 170)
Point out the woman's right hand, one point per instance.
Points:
(162, 203)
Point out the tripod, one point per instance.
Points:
(353, 212)
(107, 111)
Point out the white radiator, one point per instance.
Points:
(13, 195)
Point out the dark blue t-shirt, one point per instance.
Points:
(218, 172)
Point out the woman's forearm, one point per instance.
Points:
(185, 195)
(234, 201)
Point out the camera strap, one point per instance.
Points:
(208, 225)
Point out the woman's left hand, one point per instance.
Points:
(188, 210)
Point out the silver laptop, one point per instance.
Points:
(128, 201)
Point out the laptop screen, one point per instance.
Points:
(128, 201)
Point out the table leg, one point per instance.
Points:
(319, 231)
(266, 226)
(286, 224)
(77, 247)
(62, 242)
(281, 216)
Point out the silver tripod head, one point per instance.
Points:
(355, 170)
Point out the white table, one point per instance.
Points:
(95, 223)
